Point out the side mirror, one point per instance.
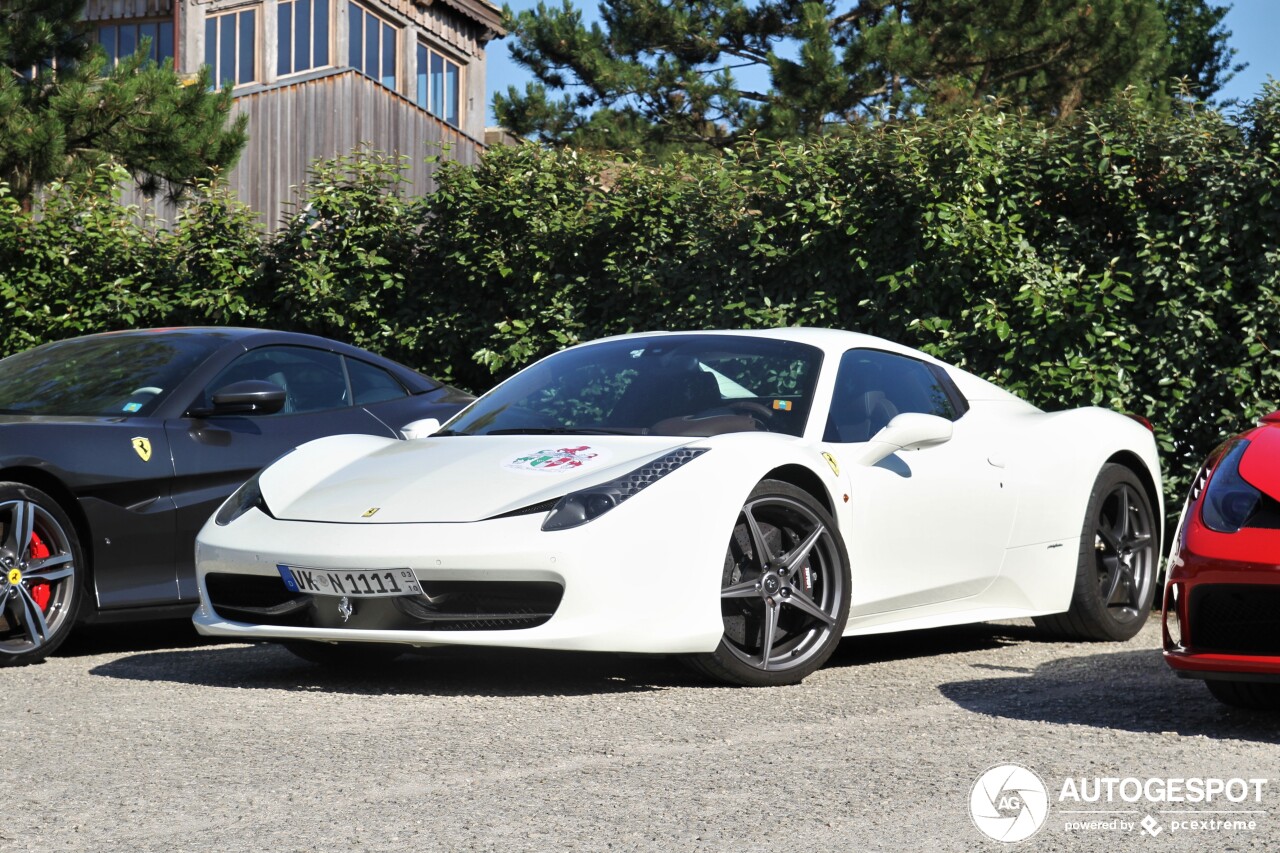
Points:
(248, 397)
(907, 431)
(420, 429)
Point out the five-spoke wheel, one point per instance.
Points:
(39, 574)
(1116, 572)
(784, 593)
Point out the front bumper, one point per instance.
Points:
(643, 586)
(1222, 618)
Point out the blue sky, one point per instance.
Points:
(1254, 25)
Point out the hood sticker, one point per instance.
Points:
(556, 460)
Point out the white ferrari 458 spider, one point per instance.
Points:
(744, 499)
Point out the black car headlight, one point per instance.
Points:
(1229, 501)
(586, 505)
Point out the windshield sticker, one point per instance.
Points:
(557, 460)
(782, 405)
(132, 407)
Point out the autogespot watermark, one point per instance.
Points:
(1011, 803)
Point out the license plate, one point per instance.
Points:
(364, 584)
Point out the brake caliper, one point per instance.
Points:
(40, 591)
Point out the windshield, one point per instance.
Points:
(664, 385)
(100, 376)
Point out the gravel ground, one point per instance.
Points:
(149, 740)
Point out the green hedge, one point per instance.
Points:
(1126, 260)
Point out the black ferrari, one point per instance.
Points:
(115, 448)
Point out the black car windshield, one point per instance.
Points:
(685, 384)
(101, 375)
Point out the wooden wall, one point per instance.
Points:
(293, 124)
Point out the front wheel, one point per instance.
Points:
(345, 655)
(40, 571)
(784, 594)
(1259, 696)
(1116, 569)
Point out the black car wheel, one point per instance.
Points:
(346, 655)
(1246, 694)
(40, 566)
(784, 592)
(1116, 570)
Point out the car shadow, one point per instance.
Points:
(462, 671)
(1130, 690)
(456, 671)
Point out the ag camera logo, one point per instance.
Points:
(1009, 803)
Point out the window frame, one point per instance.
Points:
(313, 43)
(364, 13)
(136, 24)
(425, 49)
(213, 47)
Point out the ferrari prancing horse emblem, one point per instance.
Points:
(143, 446)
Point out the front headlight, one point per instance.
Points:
(1228, 500)
(246, 497)
(585, 505)
(241, 501)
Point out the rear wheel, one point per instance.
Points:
(1246, 694)
(784, 594)
(1116, 569)
(40, 571)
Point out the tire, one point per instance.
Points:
(1116, 569)
(1255, 695)
(785, 578)
(345, 655)
(41, 575)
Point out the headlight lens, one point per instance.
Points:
(586, 505)
(241, 501)
(1228, 500)
(246, 497)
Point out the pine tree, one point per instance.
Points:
(662, 74)
(63, 111)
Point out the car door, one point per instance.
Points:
(928, 525)
(213, 454)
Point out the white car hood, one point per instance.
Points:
(366, 480)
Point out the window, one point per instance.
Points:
(439, 85)
(123, 40)
(873, 386)
(372, 44)
(313, 380)
(303, 34)
(371, 384)
(685, 384)
(230, 45)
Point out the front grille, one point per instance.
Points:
(257, 599)
(1235, 619)
(443, 606)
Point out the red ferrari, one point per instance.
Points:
(1222, 598)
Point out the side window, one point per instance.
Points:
(873, 386)
(313, 381)
(371, 384)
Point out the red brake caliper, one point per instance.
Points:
(40, 591)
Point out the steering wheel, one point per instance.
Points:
(146, 389)
(749, 407)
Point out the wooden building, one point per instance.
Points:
(321, 77)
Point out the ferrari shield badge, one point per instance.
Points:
(555, 460)
(142, 445)
(831, 460)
